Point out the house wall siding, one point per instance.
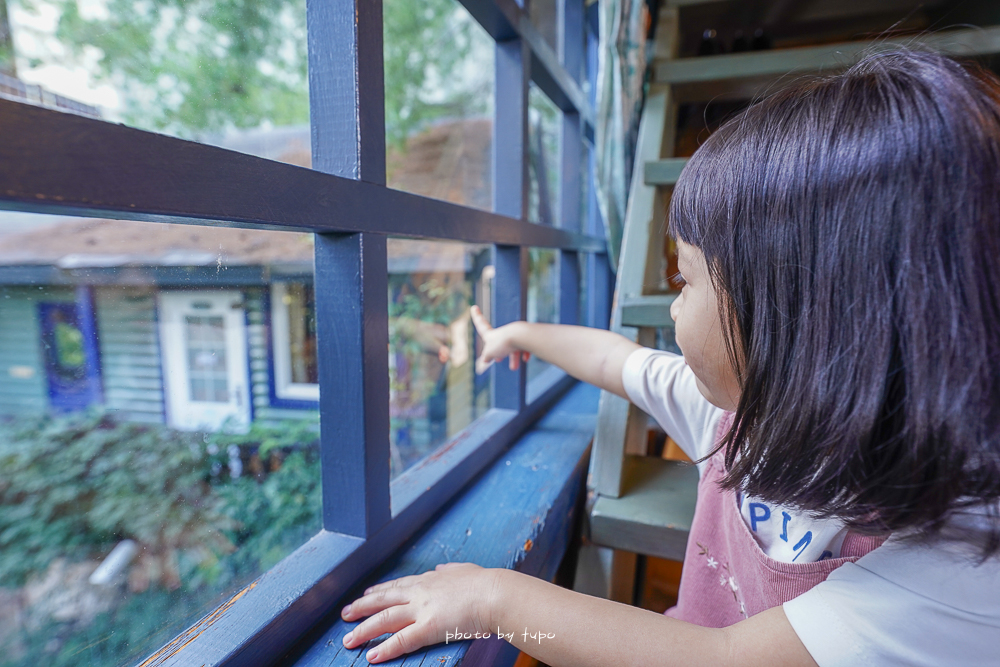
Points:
(128, 339)
(130, 353)
(21, 348)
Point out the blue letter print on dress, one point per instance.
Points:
(755, 518)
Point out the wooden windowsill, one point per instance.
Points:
(519, 514)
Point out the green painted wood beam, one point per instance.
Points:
(808, 59)
(664, 172)
(648, 311)
(654, 513)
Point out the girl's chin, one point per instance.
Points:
(728, 405)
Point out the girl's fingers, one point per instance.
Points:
(374, 602)
(406, 640)
(482, 365)
(402, 582)
(445, 566)
(482, 326)
(392, 619)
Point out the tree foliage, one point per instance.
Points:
(192, 66)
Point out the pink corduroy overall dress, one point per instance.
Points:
(726, 575)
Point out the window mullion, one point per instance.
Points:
(510, 197)
(599, 275)
(570, 24)
(347, 113)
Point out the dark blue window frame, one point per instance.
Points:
(53, 162)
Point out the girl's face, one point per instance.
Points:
(699, 330)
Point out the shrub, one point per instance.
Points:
(72, 487)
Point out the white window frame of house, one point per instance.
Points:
(281, 351)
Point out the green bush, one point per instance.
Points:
(73, 487)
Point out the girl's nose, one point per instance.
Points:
(675, 307)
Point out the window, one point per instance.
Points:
(434, 392)
(293, 327)
(438, 101)
(280, 294)
(130, 444)
(543, 139)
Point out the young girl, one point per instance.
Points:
(840, 383)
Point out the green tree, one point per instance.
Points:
(426, 45)
(193, 66)
(7, 65)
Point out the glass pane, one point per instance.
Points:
(434, 391)
(543, 298)
(543, 157)
(544, 15)
(438, 101)
(220, 73)
(148, 468)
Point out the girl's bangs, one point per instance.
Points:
(703, 199)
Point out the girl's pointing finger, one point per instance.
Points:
(482, 326)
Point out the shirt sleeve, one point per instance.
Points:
(903, 604)
(663, 386)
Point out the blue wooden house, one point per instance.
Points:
(149, 322)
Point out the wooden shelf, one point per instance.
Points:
(648, 311)
(664, 172)
(653, 515)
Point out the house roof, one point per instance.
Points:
(83, 244)
(105, 243)
(450, 161)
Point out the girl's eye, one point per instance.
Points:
(677, 280)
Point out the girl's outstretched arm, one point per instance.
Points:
(592, 355)
(555, 625)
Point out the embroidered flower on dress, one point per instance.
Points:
(726, 580)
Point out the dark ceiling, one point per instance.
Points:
(797, 22)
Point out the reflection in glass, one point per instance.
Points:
(438, 101)
(434, 391)
(543, 296)
(208, 71)
(138, 416)
(544, 15)
(543, 154)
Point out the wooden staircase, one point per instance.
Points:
(638, 504)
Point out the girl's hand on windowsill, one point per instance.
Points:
(419, 610)
(497, 343)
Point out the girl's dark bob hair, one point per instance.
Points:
(851, 226)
